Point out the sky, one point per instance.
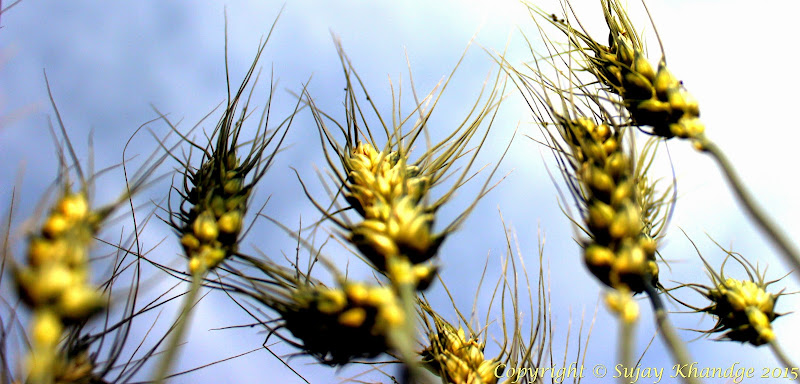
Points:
(109, 66)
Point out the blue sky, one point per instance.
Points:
(107, 64)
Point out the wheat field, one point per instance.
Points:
(116, 68)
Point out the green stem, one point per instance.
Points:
(179, 329)
(674, 343)
(626, 346)
(780, 355)
(403, 338)
(772, 231)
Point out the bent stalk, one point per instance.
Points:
(778, 237)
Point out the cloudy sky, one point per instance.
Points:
(109, 64)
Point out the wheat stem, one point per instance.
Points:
(179, 329)
(780, 354)
(404, 338)
(674, 343)
(778, 238)
(626, 346)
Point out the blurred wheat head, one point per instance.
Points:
(55, 279)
